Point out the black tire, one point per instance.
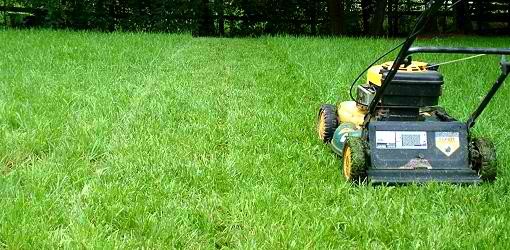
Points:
(354, 160)
(483, 159)
(326, 122)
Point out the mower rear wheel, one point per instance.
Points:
(354, 160)
(326, 122)
(483, 159)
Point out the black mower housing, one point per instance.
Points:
(416, 161)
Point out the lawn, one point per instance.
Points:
(158, 140)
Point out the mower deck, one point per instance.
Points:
(403, 152)
(396, 176)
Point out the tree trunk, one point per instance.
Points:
(220, 10)
(480, 12)
(462, 21)
(366, 11)
(336, 16)
(313, 18)
(432, 25)
(442, 23)
(393, 17)
(376, 24)
(508, 9)
(111, 11)
(5, 14)
(204, 19)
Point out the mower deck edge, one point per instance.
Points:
(405, 176)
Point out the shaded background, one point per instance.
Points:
(258, 17)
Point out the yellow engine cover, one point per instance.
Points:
(375, 77)
(348, 111)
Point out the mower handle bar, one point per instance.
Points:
(505, 70)
(446, 50)
(406, 50)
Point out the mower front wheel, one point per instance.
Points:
(326, 122)
(354, 160)
(483, 159)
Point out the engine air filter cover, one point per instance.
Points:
(413, 89)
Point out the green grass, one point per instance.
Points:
(154, 140)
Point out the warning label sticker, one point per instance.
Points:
(401, 139)
(447, 142)
(385, 139)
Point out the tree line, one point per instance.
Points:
(258, 17)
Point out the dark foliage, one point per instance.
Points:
(256, 17)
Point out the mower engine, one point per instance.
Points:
(414, 91)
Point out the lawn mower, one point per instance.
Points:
(393, 131)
